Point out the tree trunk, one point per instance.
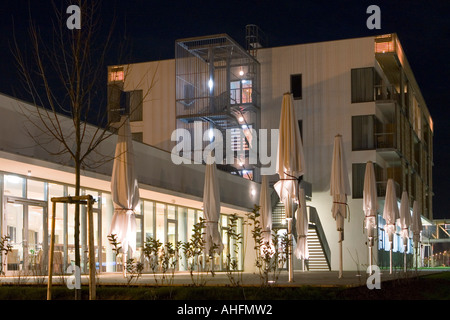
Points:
(77, 223)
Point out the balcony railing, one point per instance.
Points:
(386, 93)
(385, 140)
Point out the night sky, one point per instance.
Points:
(149, 29)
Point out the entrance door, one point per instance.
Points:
(25, 224)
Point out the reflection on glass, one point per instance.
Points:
(14, 186)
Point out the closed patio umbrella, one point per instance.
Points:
(124, 191)
(390, 214)
(211, 210)
(265, 211)
(290, 164)
(370, 206)
(301, 251)
(416, 227)
(339, 190)
(405, 222)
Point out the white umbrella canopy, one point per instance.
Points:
(265, 211)
(290, 164)
(390, 211)
(416, 223)
(301, 251)
(404, 217)
(339, 190)
(211, 210)
(124, 189)
(390, 214)
(290, 159)
(370, 206)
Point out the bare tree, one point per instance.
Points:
(65, 79)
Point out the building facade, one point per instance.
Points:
(171, 199)
(363, 89)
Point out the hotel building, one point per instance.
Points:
(363, 89)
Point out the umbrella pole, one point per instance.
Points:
(340, 256)
(404, 259)
(390, 259)
(124, 263)
(291, 262)
(370, 259)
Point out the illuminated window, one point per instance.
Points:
(241, 91)
(116, 74)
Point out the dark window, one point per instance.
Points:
(363, 132)
(134, 105)
(296, 86)
(300, 128)
(358, 173)
(362, 85)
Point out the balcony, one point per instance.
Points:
(386, 93)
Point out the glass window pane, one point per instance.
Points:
(171, 212)
(172, 232)
(57, 190)
(182, 224)
(148, 219)
(14, 228)
(108, 255)
(35, 190)
(191, 220)
(95, 195)
(14, 186)
(160, 221)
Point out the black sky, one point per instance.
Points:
(149, 29)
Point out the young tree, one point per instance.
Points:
(65, 81)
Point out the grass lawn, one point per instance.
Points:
(431, 287)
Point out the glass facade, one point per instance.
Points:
(27, 221)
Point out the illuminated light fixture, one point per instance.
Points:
(241, 119)
(241, 72)
(210, 84)
(29, 173)
(244, 126)
(253, 192)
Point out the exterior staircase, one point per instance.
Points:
(317, 260)
(319, 251)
